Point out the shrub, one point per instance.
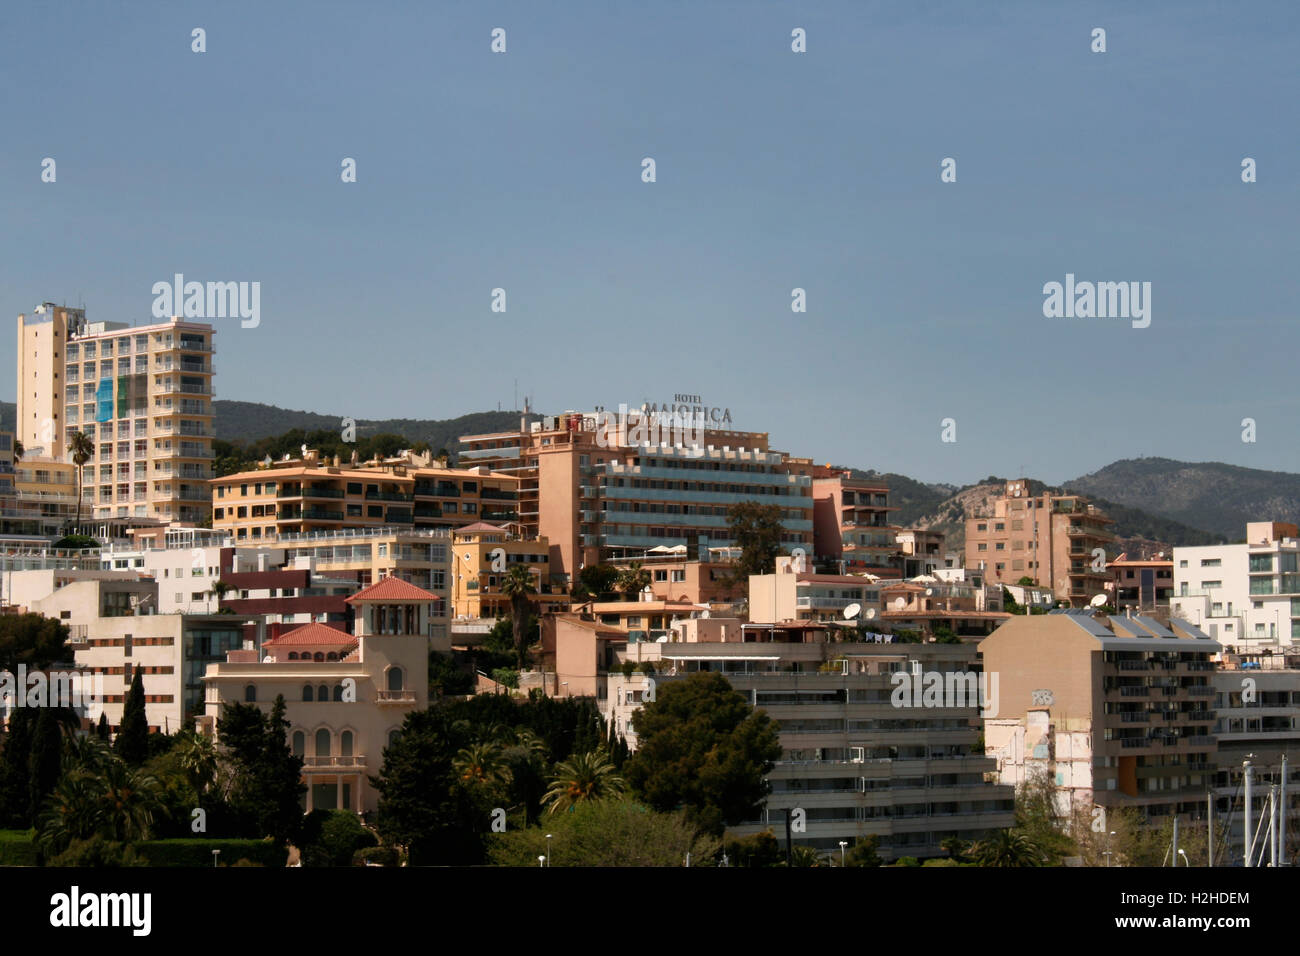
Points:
(383, 855)
(341, 836)
(628, 668)
(18, 848)
(98, 851)
(647, 667)
(198, 852)
(506, 676)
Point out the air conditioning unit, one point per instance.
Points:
(857, 754)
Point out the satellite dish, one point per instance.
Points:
(1098, 601)
(929, 592)
(869, 613)
(900, 603)
(852, 611)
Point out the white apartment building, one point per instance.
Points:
(1247, 596)
(142, 394)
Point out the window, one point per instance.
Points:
(395, 678)
(307, 694)
(322, 743)
(1211, 562)
(250, 693)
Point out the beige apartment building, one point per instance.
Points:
(1119, 711)
(596, 494)
(791, 594)
(346, 695)
(1053, 539)
(311, 495)
(852, 522)
(142, 394)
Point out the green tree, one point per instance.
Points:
(632, 580)
(598, 579)
(422, 804)
(15, 795)
(81, 449)
(101, 728)
(1037, 821)
(607, 833)
(482, 766)
(516, 586)
(44, 763)
(132, 743)
(703, 748)
(865, 852)
(757, 530)
(754, 851)
(32, 640)
(267, 777)
(197, 757)
(583, 777)
(130, 799)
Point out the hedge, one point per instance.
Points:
(17, 848)
(198, 852)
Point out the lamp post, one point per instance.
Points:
(548, 849)
(215, 854)
(843, 844)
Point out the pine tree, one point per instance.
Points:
(133, 734)
(101, 729)
(43, 763)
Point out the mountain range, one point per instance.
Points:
(1153, 500)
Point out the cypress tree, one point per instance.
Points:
(14, 798)
(101, 729)
(43, 763)
(133, 734)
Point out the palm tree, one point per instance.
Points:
(1007, 848)
(129, 798)
(517, 585)
(955, 847)
(589, 776)
(198, 758)
(87, 753)
(481, 765)
(632, 579)
(82, 449)
(73, 811)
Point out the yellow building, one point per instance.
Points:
(482, 556)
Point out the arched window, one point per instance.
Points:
(299, 743)
(332, 656)
(306, 692)
(345, 743)
(395, 678)
(322, 743)
(293, 655)
(393, 735)
(322, 692)
(319, 657)
(338, 692)
(250, 693)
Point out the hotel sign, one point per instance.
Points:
(689, 408)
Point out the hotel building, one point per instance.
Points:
(482, 555)
(1119, 711)
(142, 394)
(595, 495)
(852, 522)
(1053, 539)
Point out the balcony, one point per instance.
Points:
(388, 496)
(395, 697)
(338, 762)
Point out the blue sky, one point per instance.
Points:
(775, 170)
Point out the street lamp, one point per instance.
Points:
(541, 861)
(1183, 854)
(215, 854)
(843, 844)
(548, 849)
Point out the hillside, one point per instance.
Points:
(246, 422)
(1211, 495)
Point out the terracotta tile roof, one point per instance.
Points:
(319, 634)
(392, 589)
(480, 526)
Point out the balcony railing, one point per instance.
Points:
(334, 762)
(395, 696)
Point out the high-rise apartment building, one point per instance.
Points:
(142, 394)
(1059, 541)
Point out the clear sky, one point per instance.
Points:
(775, 170)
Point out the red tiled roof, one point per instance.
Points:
(479, 526)
(392, 589)
(318, 634)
